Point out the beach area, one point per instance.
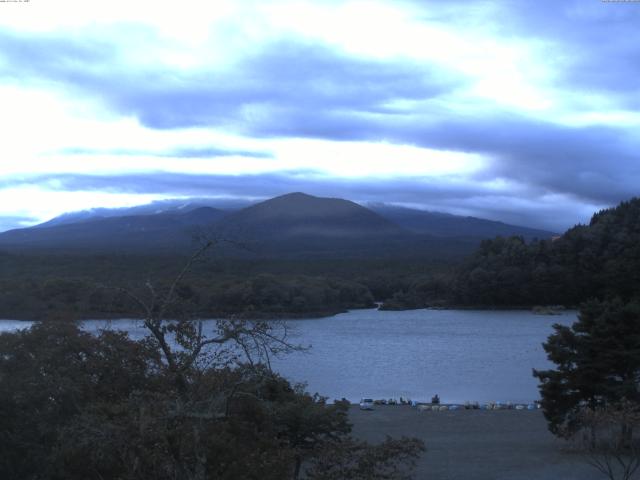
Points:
(477, 444)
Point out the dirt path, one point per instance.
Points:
(477, 444)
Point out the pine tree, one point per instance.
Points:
(598, 362)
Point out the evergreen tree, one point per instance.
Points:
(598, 362)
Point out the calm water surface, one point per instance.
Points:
(459, 354)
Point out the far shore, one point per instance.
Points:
(539, 309)
(252, 316)
(268, 316)
(477, 444)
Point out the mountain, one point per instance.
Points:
(154, 208)
(173, 229)
(288, 224)
(412, 220)
(447, 225)
(297, 215)
(301, 225)
(295, 225)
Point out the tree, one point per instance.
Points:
(355, 460)
(598, 260)
(49, 375)
(196, 401)
(598, 363)
(608, 438)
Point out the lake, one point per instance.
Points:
(474, 355)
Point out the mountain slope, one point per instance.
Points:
(447, 225)
(159, 207)
(295, 224)
(139, 232)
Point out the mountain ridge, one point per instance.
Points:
(291, 224)
(449, 225)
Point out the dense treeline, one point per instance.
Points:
(598, 260)
(81, 286)
(420, 291)
(257, 296)
(279, 295)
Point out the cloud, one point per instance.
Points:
(281, 76)
(9, 222)
(593, 46)
(599, 164)
(180, 152)
(518, 204)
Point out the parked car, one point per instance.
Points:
(366, 404)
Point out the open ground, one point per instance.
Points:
(477, 444)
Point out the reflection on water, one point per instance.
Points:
(459, 354)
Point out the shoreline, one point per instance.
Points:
(321, 314)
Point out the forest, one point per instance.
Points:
(597, 260)
(50, 285)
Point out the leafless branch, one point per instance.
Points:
(608, 439)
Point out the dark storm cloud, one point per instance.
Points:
(300, 81)
(284, 75)
(173, 184)
(600, 164)
(289, 90)
(407, 190)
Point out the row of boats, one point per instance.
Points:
(477, 406)
(368, 404)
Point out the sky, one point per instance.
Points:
(521, 111)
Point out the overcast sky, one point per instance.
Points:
(521, 111)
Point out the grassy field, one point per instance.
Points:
(477, 444)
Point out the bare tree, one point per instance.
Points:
(608, 439)
(182, 339)
(188, 349)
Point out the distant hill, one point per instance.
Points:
(447, 225)
(173, 229)
(158, 207)
(295, 224)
